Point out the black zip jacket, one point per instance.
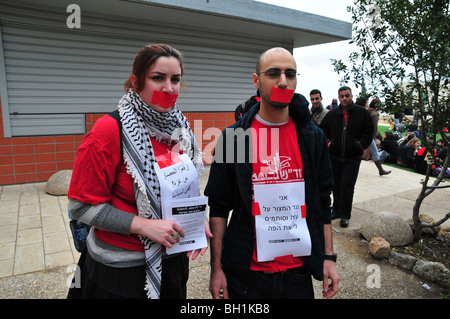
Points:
(348, 140)
(230, 188)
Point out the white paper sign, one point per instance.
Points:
(190, 214)
(182, 203)
(179, 180)
(280, 228)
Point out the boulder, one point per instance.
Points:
(388, 226)
(58, 184)
(433, 271)
(379, 248)
(402, 260)
(429, 220)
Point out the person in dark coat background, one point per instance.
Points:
(349, 129)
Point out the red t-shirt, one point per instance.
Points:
(276, 159)
(100, 176)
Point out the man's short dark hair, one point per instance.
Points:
(344, 88)
(315, 91)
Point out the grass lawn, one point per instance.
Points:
(384, 128)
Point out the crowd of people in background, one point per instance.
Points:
(401, 145)
(406, 149)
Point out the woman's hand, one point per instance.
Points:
(159, 230)
(202, 251)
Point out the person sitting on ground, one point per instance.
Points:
(441, 151)
(422, 159)
(408, 136)
(407, 153)
(389, 148)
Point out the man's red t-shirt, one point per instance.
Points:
(276, 159)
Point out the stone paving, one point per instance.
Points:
(34, 230)
(35, 238)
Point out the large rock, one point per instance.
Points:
(58, 184)
(388, 226)
(433, 271)
(379, 248)
(402, 260)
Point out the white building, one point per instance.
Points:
(58, 64)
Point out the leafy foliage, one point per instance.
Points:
(403, 59)
(403, 56)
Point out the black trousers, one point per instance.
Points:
(345, 174)
(290, 284)
(93, 280)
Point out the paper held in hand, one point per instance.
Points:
(190, 214)
(181, 201)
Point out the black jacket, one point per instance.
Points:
(348, 140)
(230, 188)
(406, 156)
(390, 145)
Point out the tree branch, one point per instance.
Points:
(437, 187)
(376, 50)
(443, 220)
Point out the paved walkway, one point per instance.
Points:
(35, 235)
(34, 230)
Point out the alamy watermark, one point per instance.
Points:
(236, 145)
(74, 276)
(375, 16)
(374, 278)
(73, 21)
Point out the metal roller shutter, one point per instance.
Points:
(55, 75)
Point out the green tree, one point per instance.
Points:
(403, 58)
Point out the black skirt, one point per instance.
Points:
(93, 280)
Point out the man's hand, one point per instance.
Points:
(330, 273)
(218, 284)
(195, 253)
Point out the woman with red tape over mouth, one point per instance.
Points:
(116, 188)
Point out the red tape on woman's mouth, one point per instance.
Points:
(281, 95)
(164, 100)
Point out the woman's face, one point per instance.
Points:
(163, 76)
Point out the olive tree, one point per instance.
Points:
(403, 58)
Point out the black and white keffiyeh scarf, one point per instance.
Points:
(139, 123)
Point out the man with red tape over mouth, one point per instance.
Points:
(284, 176)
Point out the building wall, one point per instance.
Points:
(53, 74)
(37, 158)
(57, 80)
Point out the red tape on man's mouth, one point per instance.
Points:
(281, 95)
(164, 100)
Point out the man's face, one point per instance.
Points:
(277, 69)
(345, 97)
(316, 99)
